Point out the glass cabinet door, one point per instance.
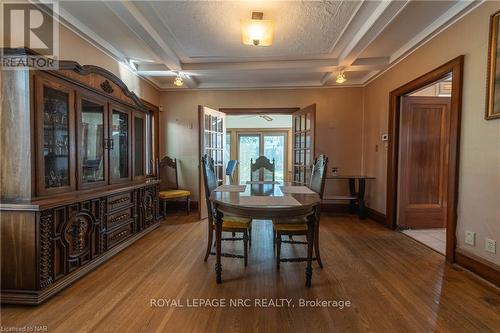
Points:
(119, 159)
(139, 145)
(55, 114)
(92, 138)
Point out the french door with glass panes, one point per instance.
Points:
(251, 145)
(303, 143)
(212, 142)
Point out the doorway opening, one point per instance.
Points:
(422, 178)
(251, 136)
(286, 135)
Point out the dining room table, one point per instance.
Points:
(267, 201)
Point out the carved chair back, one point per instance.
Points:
(262, 169)
(318, 173)
(168, 174)
(210, 181)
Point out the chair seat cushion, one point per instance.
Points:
(290, 227)
(235, 222)
(172, 194)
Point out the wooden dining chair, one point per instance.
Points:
(298, 226)
(169, 184)
(233, 224)
(262, 169)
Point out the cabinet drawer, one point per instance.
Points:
(118, 218)
(119, 200)
(118, 235)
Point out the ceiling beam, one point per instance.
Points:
(372, 18)
(449, 17)
(308, 64)
(133, 18)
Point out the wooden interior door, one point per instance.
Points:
(424, 151)
(303, 137)
(212, 125)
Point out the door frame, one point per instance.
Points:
(455, 67)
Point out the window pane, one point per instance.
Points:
(248, 149)
(92, 142)
(274, 148)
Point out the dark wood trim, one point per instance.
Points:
(487, 270)
(455, 67)
(236, 111)
(37, 297)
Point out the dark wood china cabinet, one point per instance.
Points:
(78, 181)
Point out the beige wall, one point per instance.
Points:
(479, 179)
(338, 123)
(72, 47)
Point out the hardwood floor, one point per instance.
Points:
(394, 284)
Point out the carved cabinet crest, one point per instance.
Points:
(77, 232)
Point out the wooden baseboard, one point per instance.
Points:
(377, 216)
(487, 270)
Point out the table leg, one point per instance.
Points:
(361, 199)
(352, 191)
(311, 230)
(218, 241)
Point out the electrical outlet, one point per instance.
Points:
(490, 245)
(470, 238)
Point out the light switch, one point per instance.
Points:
(470, 238)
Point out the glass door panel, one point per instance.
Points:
(274, 148)
(249, 149)
(56, 137)
(119, 145)
(139, 140)
(92, 136)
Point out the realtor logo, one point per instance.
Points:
(33, 26)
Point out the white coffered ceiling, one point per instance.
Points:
(313, 40)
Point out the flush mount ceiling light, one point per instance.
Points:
(256, 31)
(178, 81)
(341, 78)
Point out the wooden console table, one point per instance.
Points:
(356, 198)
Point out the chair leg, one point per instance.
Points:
(316, 247)
(274, 238)
(245, 246)
(188, 205)
(210, 241)
(278, 250)
(164, 206)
